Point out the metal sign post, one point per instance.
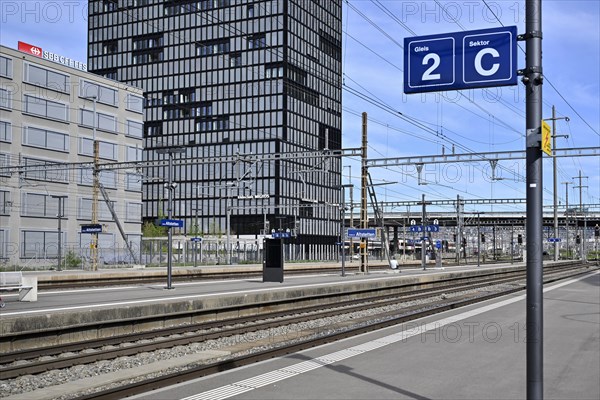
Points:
(533, 79)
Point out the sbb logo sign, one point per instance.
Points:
(461, 60)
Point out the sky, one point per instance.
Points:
(399, 125)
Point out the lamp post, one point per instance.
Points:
(479, 240)
(195, 210)
(555, 181)
(567, 213)
(170, 186)
(424, 224)
(96, 183)
(60, 216)
(582, 248)
(227, 224)
(342, 223)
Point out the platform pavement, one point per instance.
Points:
(82, 307)
(118, 270)
(68, 307)
(476, 352)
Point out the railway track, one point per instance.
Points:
(37, 361)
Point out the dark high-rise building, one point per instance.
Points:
(234, 84)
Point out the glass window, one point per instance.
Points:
(45, 171)
(133, 182)
(134, 212)
(36, 75)
(134, 129)
(4, 162)
(5, 202)
(108, 179)
(85, 210)
(87, 118)
(105, 122)
(257, 41)
(5, 132)
(212, 47)
(106, 150)
(86, 176)
(39, 205)
(134, 154)
(235, 59)
(45, 139)
(5, 99)
(103, 94)
(135, 103)
(6, 67)
(39, 244)
(46, 108)
(110, 47)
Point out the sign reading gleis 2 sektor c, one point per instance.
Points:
(461, 60)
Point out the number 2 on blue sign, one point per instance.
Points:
(427, 75)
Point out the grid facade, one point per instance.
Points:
(233, 78)
(47, 129)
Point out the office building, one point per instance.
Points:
(48, 106)
(229, 86)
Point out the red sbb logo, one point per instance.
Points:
(30, 49)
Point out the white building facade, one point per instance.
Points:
(47, 115)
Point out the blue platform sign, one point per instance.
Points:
(432, 228)
(554, 240)
(91, 228)
(280, 235)
(196, 239)
(416, 228)
(461, 60)
(367, 233)
(171, 223)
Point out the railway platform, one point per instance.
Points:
(77, 307)
(476, 352)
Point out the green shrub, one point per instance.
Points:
(72, 260)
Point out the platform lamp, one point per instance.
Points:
(60, 216)
(555, 181)
(170, 186)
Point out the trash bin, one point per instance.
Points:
(393, 263)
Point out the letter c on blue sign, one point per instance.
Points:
(478, 65)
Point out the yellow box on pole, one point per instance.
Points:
(546, 138)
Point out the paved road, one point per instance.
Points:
(476, 352)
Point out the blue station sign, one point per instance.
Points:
(367, 233)
(91, 228)
(280, 235)
(171, 223)
(461, 60)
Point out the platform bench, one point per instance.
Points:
(26, 285)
